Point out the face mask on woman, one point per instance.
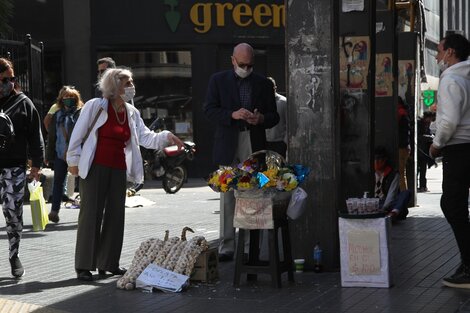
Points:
(129, 93)
(70, 103)
(6, 88)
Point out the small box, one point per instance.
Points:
(206, 266)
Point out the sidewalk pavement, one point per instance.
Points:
(423, 252)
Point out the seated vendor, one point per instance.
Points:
(393, 201)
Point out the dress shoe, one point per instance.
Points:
(225, 257)
(119, 271)
(54, 216)
(84, 275)
(17, 268)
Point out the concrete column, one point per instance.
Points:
(313, 125)
(77, 46)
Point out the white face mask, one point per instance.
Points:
(242, 72)
(442, 64)
(129, 93)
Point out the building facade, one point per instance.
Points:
(173, 47)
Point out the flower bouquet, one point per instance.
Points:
(269, 176)
(262, 188)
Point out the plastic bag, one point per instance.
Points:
(297, 203)
(38, 206)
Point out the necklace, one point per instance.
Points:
(117, 116)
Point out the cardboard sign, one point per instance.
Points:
(157, 277)
(364, 252)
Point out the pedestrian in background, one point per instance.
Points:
(452, 141)
(276, 137)
(108, 126)
(242, 105)
(63, 121)
(404, 148)
(26, 143)
(424, 142)
(103, 64)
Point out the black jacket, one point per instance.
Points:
(28, 142)
(223, 98)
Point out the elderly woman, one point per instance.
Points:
(69, 103)
(104, 147)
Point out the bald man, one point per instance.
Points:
(241, 103)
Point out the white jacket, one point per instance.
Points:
(453, 106)
(140, 136)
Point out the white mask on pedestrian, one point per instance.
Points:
(442, 64)
(242, 73)
(129, 93)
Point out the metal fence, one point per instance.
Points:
(27, 56)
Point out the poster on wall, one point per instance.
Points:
(354, 62)
(383, 75)
(406, 79)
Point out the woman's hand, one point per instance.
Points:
(35, 173)
(73, 170)
(173, 140)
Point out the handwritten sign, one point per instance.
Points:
(254, 213)
(157, 277)
(364, 252)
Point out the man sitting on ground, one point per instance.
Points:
(393, 201)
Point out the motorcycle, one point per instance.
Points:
(169, 164)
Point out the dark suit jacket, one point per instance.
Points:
(223, 98)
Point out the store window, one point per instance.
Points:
(163, 87)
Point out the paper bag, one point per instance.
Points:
(38, 206)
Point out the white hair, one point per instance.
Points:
(111, 81)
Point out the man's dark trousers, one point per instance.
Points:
(454, 200)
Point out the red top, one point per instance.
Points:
(112, 139)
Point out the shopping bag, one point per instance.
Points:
(38, 206)
(297, 203)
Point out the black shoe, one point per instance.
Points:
(17, 268)
(119, 271)
(225, 257)
(461, 278)
(84, 275)
(54, 216)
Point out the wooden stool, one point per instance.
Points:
(274, 266)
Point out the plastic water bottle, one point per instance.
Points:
(317, 254)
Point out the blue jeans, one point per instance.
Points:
(60, 174)
(400, 203)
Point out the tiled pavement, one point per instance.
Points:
(423, 251)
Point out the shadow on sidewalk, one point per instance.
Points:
(423, 251)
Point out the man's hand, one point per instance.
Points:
(34, 173)
(73, 170)
(256, 118)
(434, 152)
(242, 114)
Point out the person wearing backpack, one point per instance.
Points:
(19, 141)
(69, 104)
